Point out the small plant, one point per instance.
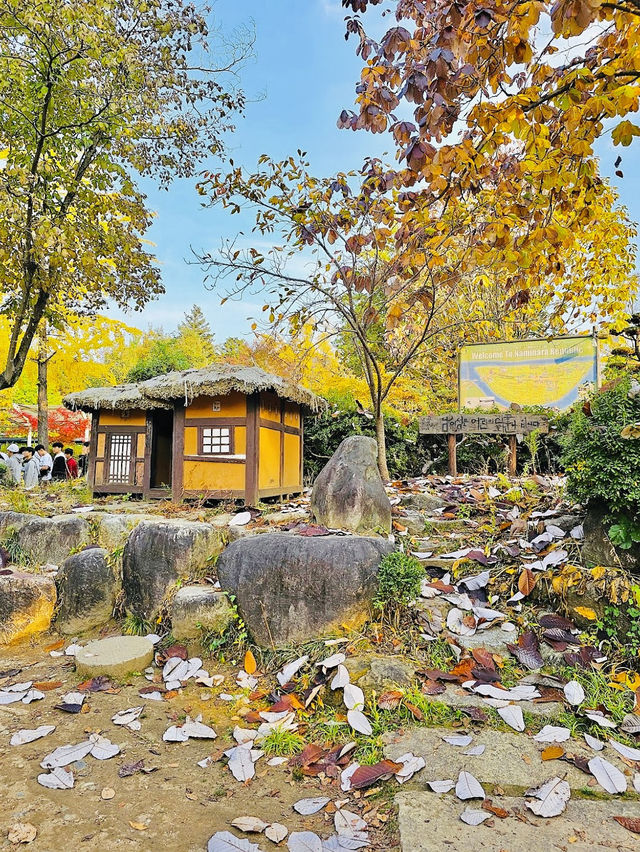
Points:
(280, 743)
(625, 533)
(135, 625)
(11, 544)
(399, 579)
(621, 625)
(233, 641)
(464, 511)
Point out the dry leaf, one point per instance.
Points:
(586, 612)
(607, 775)
(474, 817)
(630, 823)
(552, 753)
(306, 807)
(250, 825)
(468, 787)
(107, 793)
(22, 832)
(250, 665)
(390, 700)
(139, 826)
(550, 798)
(276, 832)
(527, 581)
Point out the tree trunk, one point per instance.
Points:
(382, 446)
(43, 401)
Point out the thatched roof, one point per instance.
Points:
(217, 380)
(116, 398)
(221, 379)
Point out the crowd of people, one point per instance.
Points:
(33, 466)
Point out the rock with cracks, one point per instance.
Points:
(158, 554)
(27, 602)
(87, 589)
(46, 540)
(349, 493)
(197, 610)
(291, 588)
(116, 656)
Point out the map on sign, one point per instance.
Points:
(553, 373)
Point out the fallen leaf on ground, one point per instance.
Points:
(630, 823)
(107, 793)
(250, 825)
(390, 700)
(250, 665)
(366, 776)
(474, 817)
(552, 753)
(139, 826)
(224, 841)
(299, 841)
(276, 832)
(57, 779)
(22, 832)
(306, 807)
(468, 787)
(28, 736)
(442, 786)
(512, 715)
(607, 775)
(550, 798)
(574, 693)
(359, 722)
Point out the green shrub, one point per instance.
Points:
(601, 465)
(399, 580)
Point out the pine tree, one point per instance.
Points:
(196, 337)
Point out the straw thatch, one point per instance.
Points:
(186, 385)
(117, 398)
(221, 379)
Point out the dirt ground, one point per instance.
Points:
(177, 807)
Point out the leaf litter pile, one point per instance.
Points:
(467, 590)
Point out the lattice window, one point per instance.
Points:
(120, 450)
(216, 440)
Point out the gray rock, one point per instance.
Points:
(158, 554)
(494, 639)
(114, 530)
(458, 698)
(380, 673)
(422, 500)
(198, 609)
(291, 588)
(27, 602)
(116, 656)
(566, 522)
(51, 540)
(431, 823)
(15, 520)
(597, 548)
(510, 759)
(87, 589)
(415, 522)
(349, 493)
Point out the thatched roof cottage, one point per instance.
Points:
(220, 432)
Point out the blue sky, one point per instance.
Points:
(302, 75)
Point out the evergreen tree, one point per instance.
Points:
(196, 338)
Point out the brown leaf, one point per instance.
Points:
(389, 700)
(430, 687)
(139, 826)
(552, 752)
(527, 581)
(488, 805)
(630, 823)
(55, 646)
(250, 665)
(175, 650)
(417, 714)
(311, 753)
(46, 685)
(365, 776)
(483, 658)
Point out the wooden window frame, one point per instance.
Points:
(232, 440)
(133, 438)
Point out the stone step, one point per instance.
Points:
(509, 760)
(429, 822)
(459, 698)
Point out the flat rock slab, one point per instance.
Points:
(116, 656)
(456, 696)
(509, 760)
(431, 823)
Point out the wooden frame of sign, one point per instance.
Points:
(510, 424)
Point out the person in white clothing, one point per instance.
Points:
(14, 463)
(30, 469)
(44, 462)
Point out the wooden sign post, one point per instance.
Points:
(482, 424)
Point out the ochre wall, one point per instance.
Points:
(122, 418)
(269, 468)
(232, 405)
(270, 406)
(292, 415)
(291, 461)
(213, 476)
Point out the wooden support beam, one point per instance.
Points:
(251, 495)
(453, 460)
(513, 455)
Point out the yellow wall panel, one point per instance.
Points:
(233, 404)
(101, 443)
(270, 406)
(141, 442)
(191, 441)
(123, 418)
(269, 472)
(99, 473)
(213, 476)
(292, 414)
(291, 461)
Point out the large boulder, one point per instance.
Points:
(112, 531)
(291, 588)
(27, 602)
(423, 501)
(597, 548)
(50, 540)
(349, 493)
(87, 589)
(158, 554)
(196, 610)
